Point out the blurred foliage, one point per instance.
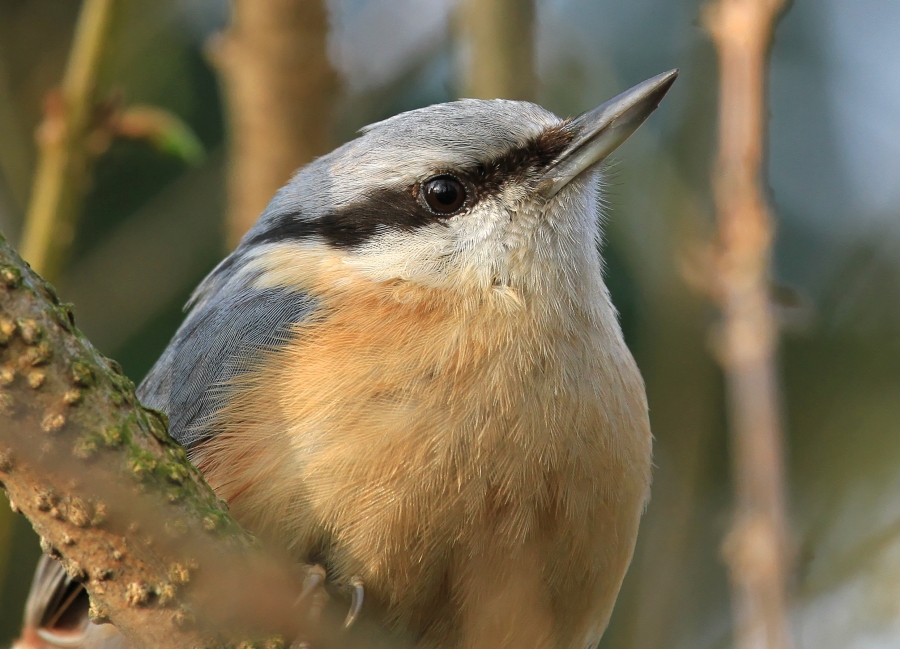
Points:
(153, 226)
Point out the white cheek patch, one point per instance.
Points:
(462, 252)
(419, 256)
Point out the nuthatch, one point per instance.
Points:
(410, 373)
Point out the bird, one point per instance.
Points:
(410, 374)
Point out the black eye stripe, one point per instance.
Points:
(350, 226)
(407, 210)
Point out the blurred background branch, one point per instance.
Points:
(61, 177)
(757, 547)
(499, 60)
(280, 90)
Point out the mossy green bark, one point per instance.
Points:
(110, 493)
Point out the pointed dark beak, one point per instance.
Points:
(599, 132)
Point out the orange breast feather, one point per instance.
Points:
(448, 451)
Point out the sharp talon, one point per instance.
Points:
(314, 579)
(356, 601)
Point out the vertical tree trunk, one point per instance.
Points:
(756, 548)
(280, 90)
(500, 39)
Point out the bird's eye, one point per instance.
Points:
(444, 194)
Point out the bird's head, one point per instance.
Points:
(469, 195)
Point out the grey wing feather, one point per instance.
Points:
(228, 325)
(56, 614)
(51, 588)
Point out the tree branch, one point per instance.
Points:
(280, 90)
(115, 499)
(500, 37)
(756, 547)
(61, 175)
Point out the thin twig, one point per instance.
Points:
(61, 176)
(756, 547)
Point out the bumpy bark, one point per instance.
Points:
(114, 497)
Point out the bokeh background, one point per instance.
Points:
(155, 222)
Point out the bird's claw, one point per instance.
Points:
(313, 581)
(314, 592)
(314, 596)
(356, 601)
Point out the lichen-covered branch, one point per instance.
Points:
(115, 499)
(756, 548)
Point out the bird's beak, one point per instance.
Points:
(599, 132)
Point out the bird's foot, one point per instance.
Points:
(316, 597)
(313, 595)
